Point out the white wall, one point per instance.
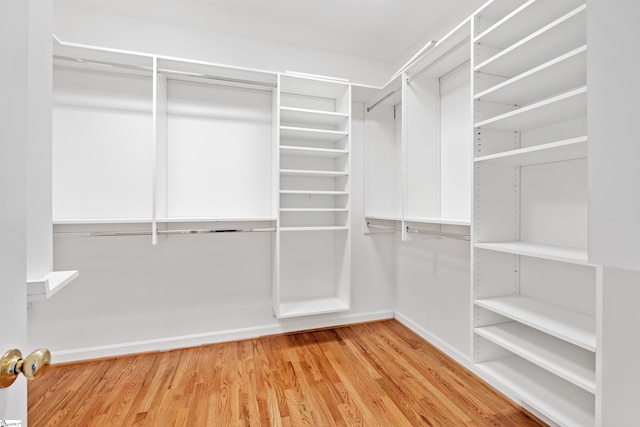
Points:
(132, 296)
(86, 27)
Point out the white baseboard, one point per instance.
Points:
(452, 352)
(183, 341)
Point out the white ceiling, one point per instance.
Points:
(376, 29)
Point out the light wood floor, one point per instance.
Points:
(374, 374)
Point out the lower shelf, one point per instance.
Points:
(562, 402)
(312, 306)
(49, 285)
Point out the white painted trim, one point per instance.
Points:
(455, 354)
(183, 341)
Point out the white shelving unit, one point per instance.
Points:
(534, 290)
(313, 240)
(418, 140)
(161, 141)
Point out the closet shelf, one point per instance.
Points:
(568, 361)
(315, 192)
(384, 217)
(47, 286)
(568, 325)
(559, 400)
(302, 116)
(78, 221)
(312, 152)
(561, 36)
(214, 219)
(442, 221)
(569, 149)
(535, 250)
(289, 133)
(312, 173)
(314, 210)
(317, 228)
(560, 74)
(531, 16)
(566, 106)
(312, 306)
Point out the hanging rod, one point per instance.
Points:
(372, 106)
(164, 71)
(159, 232)
(391, 227)
(439, 234)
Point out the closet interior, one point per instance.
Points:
(481, 138)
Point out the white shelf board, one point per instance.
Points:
(312, 306)
(568, 361)
(526, 19)
(49, 285)
(313, 86)
(442, 221)
(561, 73)
(559, 108)
(302, 116)
(495, 10)
(312, 173)
(312, 152)
(314, 210)
(569, 149)
(310, 134)
(316, 228)
(560, 401)
(568, 325)
(71, 221)
(384, 217)
(214, 219)
(315, 192)
(550, 252)
(562, 35)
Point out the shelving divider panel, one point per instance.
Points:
(561, 73)
(568, 361)
(559, 400)
(566, 106)
(568, 325)
(553, 253)
(570, 149)
(561, 36)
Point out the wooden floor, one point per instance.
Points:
(374, 374)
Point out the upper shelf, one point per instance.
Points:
(552, 253)
(557, 38)
(310, 134)
(529, 17)
(561, 73)
(562, 107)
(292, 150)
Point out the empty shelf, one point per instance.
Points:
(301, 116)
(568, 325)
(570, 149)
(49, 285)
(312, 173)
(310, 134)
(568, 361)
(312, 152)
(312, 306)
(553, 253)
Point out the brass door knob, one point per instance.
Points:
(33, 366)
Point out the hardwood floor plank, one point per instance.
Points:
(373, 374)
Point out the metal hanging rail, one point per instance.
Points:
(165, 71)
(372, 106)
(439, 234)
(158, 232)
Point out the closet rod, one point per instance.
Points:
(372, 106)
(165, 71)
(391, 227)
(440, 59)
(159, 232)
(439, 234)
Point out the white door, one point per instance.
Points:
(14, 25)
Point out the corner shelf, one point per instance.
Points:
(535, 250)
(47, 286)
